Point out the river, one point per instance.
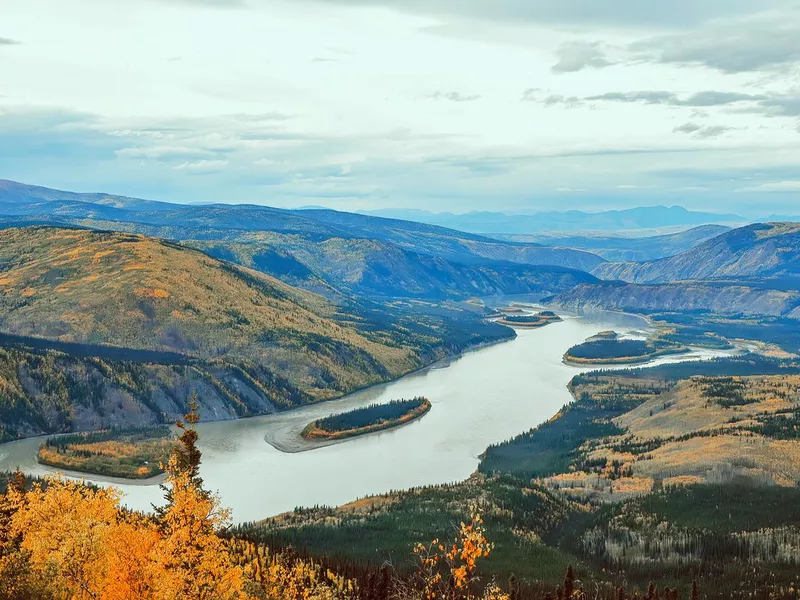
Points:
(482, 397)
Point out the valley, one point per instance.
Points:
(297, 328)
(242, 458)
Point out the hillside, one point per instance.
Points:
(378, 268)
(627, 248)
(730, 298)
(182, 320)
(20, 202)
(764, 251)
(642, 217)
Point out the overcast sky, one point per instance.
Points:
(447, 105)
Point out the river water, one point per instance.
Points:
(482, 397)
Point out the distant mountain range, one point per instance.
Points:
(626, 248)
(322, 250)
(752, 270)
(649, 217)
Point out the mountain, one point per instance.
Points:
(763, 251)
(390, 254)
(12, 192)
(627, 248)
(646, 217)
(377, 268)
(103, 328)
(726, 298)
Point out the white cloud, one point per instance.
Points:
(775, 186)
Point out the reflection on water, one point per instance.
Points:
(482, 397)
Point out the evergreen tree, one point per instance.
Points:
(513, 588)
(569, 582)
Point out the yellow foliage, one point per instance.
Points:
(449, 570)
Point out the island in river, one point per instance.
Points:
(607, 348)
(375, 417)
(540, 319)
(129, 454)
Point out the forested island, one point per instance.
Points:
(607, 348)
(131, 454)
(540, 319)
(375, 417)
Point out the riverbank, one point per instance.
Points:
(479, 398)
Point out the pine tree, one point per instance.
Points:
(569, 581)
(194, 562)
(513, 588)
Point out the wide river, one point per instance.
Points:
(482, 397)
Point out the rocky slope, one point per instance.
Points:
(378, 268)
(723, 298)
(764, 251)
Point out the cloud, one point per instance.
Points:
(701, 132)
(576, 56)
(688, 128)
(202, 166)
(698, 99)
(774, 186)
(781, 106)
(8, 42)
(764, 42)
(566, 101)
(207, 3)
(620, 13)
(454, 96)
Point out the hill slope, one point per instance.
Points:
(763, 250)
(224, 222)
(643, 217)
(384, 269)
(729, 298)
(627, 248)
(138, 300)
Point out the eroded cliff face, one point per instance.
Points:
(52, 392)
(682, 297)
(769, 251)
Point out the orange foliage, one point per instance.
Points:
(446, 572)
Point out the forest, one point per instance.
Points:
(618, 351)
(130, 453)
(374, 417)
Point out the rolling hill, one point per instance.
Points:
(19, 202)
(643, 217)
(107, 327)
(377, 268)
(628, 248)
(764, 251)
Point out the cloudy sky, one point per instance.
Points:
(448, 105)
